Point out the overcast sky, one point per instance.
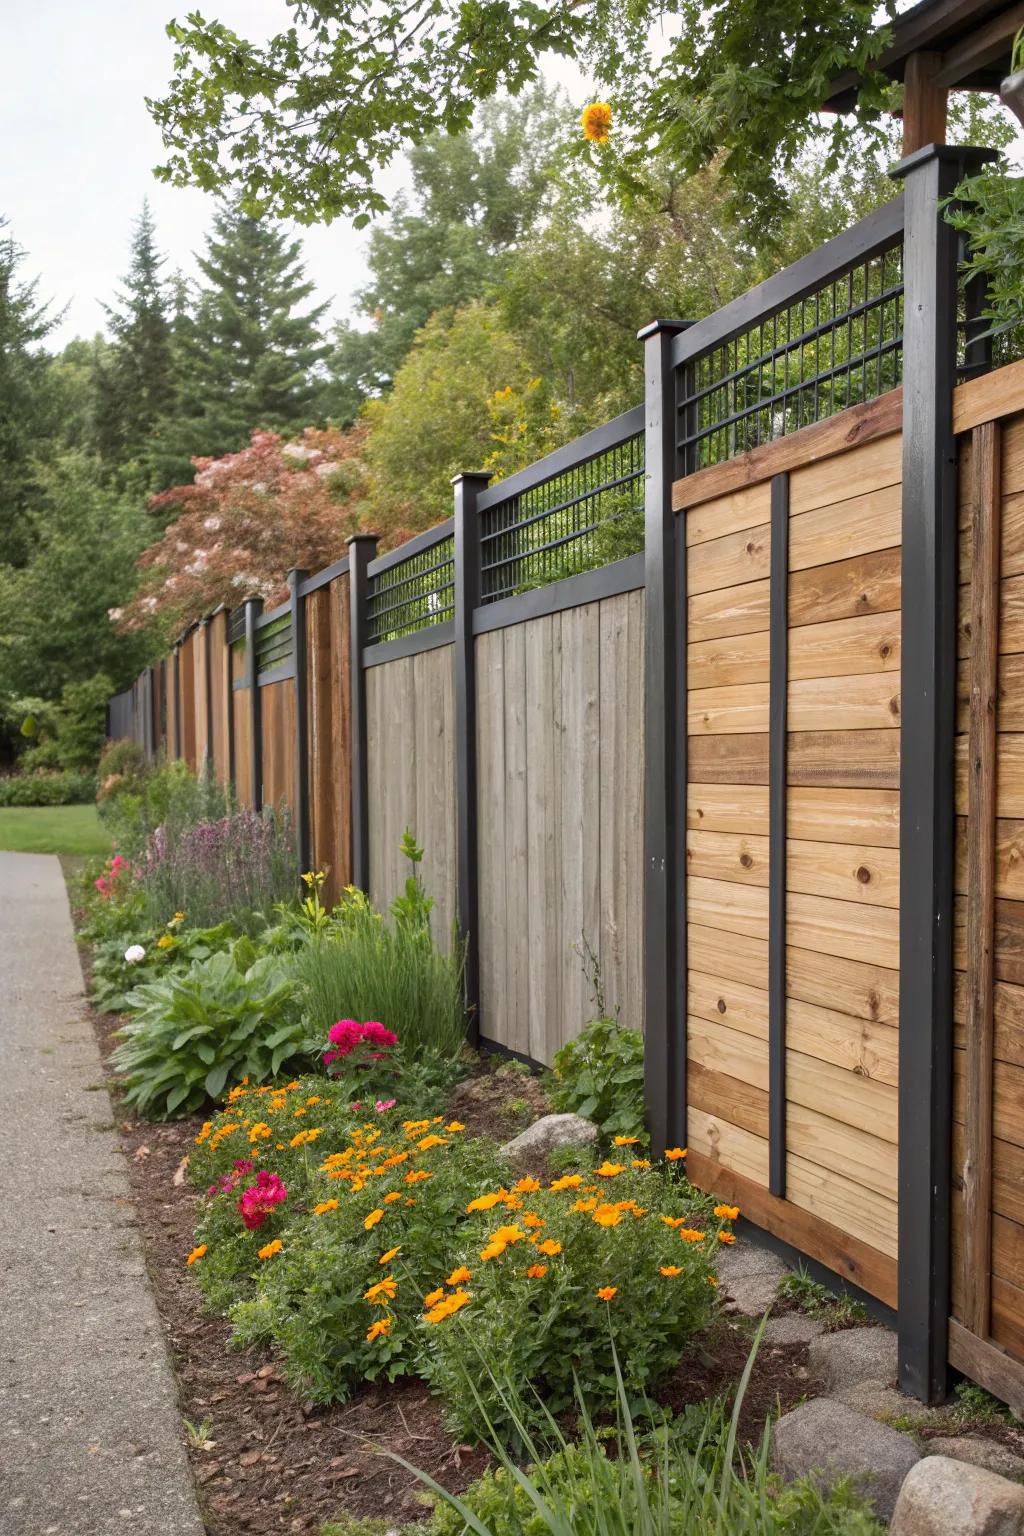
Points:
(79, 148)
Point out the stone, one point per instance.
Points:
(791, 1328)
(886, 1403)
(750, 1277)
(548, 1132)
(842, 1360)
(826, 1440)
(979, 1452)
(943, 1497)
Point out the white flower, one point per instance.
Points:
(114, 614)
(211, 524)
(134, 953)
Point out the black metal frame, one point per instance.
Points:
(468, 491)
(297, 600)
(325, 577)
(409, 645)
(398, 585)
(588, 587)
(361, 549)
(665, 764)
(778, 690)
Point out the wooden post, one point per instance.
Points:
(253, 609)
(362, 547)
(981, 837)
(925, 102)
(298, 615)
(467, 600)
(665, 745)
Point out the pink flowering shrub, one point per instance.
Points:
(260, 1199)
(116, 876)
(350, 1037)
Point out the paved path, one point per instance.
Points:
(90, 1432)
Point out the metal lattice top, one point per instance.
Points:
(274, 643)
(415, 592)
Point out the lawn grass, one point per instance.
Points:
(67, 829)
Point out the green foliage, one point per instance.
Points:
(82, 721)
(364, 967)
(976, 1406)
(73, 830)
(835, 1310)
(989, 210)
(173, 948)
(551, 1325)
(187, 1036)
(600, 1075)
(47, 789)
(687, 1477)
(24, 325)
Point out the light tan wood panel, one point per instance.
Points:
(729, 1051)
(715, 952)
(857, 874)
(838, 649)
(868, 817)
(741, 1007)
(727, 856)
(717, 1094)
(863, 990)
(621, 810)
(580, 791)
(868, 702)
(543, 642)
(733, 908)
(732, 659)
(728, 1145)
(852, 759)
(840, 1094)
(845, 1149)
(851, 1207)
(846, 588)
(841, 530)
(741, 808)
(727, 561)
(862, 1046)
(743, 508)
(734, 610)
(850, 930)
(872, 467)
(517, 938)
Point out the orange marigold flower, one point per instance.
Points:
(606, 1292)
(373, 1218)
(260, 1132)
(726, 1237)
(550, 1247)
(392, 1253)
(609, 1170)
(386, 1288)
(567, 1181)
(448, 1306)
(271, 1248)
(727, 1212)
(197, 1253)
(607, 1216)
(378, 1330)
(691, 1235)
(458, 1276)
(431, 1141)
(640, 1162)
(712, 1279)
(314, 1100)
(671, 1269)
(626, 1141)
(454, 1126)
(508, 1235)
(673, 1154)
(324, 1206)
(434, 1297)
(526, 1187)
(532, 1220)
(394, 1195)
(296, 1114)
(536, 1272)
(417, 1175)
(485, 1202)
(207, 1128)
(585, 1205)
(673, 1221)
(596, 122)
(493, 1251)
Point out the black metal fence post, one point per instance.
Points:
(927, 825)
(253, 609)
(176, 722)
(467, 489)
(298, 608)
(665, 741)
(361, 549)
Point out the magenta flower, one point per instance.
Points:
(347, 1034)
(383, 1104)
(258, 1201)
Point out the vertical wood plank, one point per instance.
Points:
(633, 1011)
(490, 831)
(517, 948)
(613, 748)
(981, 826)
(543, 909)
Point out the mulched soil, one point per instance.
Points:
(264, 1461)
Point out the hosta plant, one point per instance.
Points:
(190, 1035)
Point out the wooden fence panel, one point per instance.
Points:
(277, 710)
(410, 709)
(560, 793)
(241, 704)
(330, 733)
(217, 641)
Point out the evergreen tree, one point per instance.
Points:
(24, 324)
(134, 382)
(250, 349)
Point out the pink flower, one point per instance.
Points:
(243, 1165)
(258, 1201)
(383, 1104)
(356, 1105)
(347, 1034)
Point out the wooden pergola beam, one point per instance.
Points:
(925, 102)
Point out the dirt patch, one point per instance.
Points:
(499, 1099)
(712, 1368)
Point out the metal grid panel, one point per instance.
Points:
(582, 517)
(840, 345)
(236, 625)
(412, 594)
(274, 643)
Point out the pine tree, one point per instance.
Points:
(135, 381)
(251, 349)
(24, 416)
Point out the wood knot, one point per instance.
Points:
(864, 875)
(721, 1005)
(746, 860)
(894, 705)
(873, 1003)
(885, 650)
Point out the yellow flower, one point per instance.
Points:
(607, 1216)
(727, 1212)
(394, 1195)
(429, 1142)
(671, 1269)
(596, 122)
(372, 1220)
(314, 1100)
(207, 1128)
(179, 917)
(484, 1202)
(455, 1125)
(325, 1205)
(432, 1299)
(386, 1288)
(260, 1131)
(673, 1221)
(606, 1292)
(164, 941)
(626, 1141)
(536, 1272)
(526, 1187)
(712, 1279)
(458, 1276)
(609, 1170)
(585, 1205)
(673, 1154)
(378, 1330)
(532, 1220)
(691, 1235)
(508, 1235)
(550, 1247)
(726, 1237)
(392, 1253)
(567, 1181)
(493, 1251)
(448, 1306)
(416, 1175)
(641, 1162)
(271, 1248)
(196, 1254)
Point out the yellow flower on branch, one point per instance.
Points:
(673, 1154)
(607, 1216)
(526, 1187)
(271, 1248)
(567, 1181)
(378, 1330)
(550, 1247)
(691, 1235)
(484, 1202)
(671, 1269)
(727, 1212)
(433, 1297)
(626, 1141)
(384, 1291)
(450, 1305)
(726, 1237)
(392, 1253)
(458, 1276)
(536, 1272)
(196, 1254)
(324, 1206)
(372, 1220)
(596, 121)
(609, 1170)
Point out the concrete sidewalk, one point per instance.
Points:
(90, 1432)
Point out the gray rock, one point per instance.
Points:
(791, 1328)
(979, 1452)
(546, 1133)
(943, 1497)
(886, 1403)
(826, 1441)
(750, 1277)
(842, 1360)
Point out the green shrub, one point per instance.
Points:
(47, 789)
(81, 727)
(600, 1075)
(189, 1035)
(364, 967)
(685, 1478)
(114, 977)
(624, 1253)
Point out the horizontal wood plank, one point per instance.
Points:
(845, 1149)
(741, 909)
(846, 588)
(865, 991)
(1009, 775)
(862, 703)
(743, 508)
(727, 1146)
(850, 930)
(841, 648)
(843, 870)
(988, 397)
(865, 1214)
(841, 1095)
(841, 529)
(862, 1046)
(843, 758)
(736, 610)
(717, 1094)
(869, 817)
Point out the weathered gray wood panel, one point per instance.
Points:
(560, 829)
(410, 706)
